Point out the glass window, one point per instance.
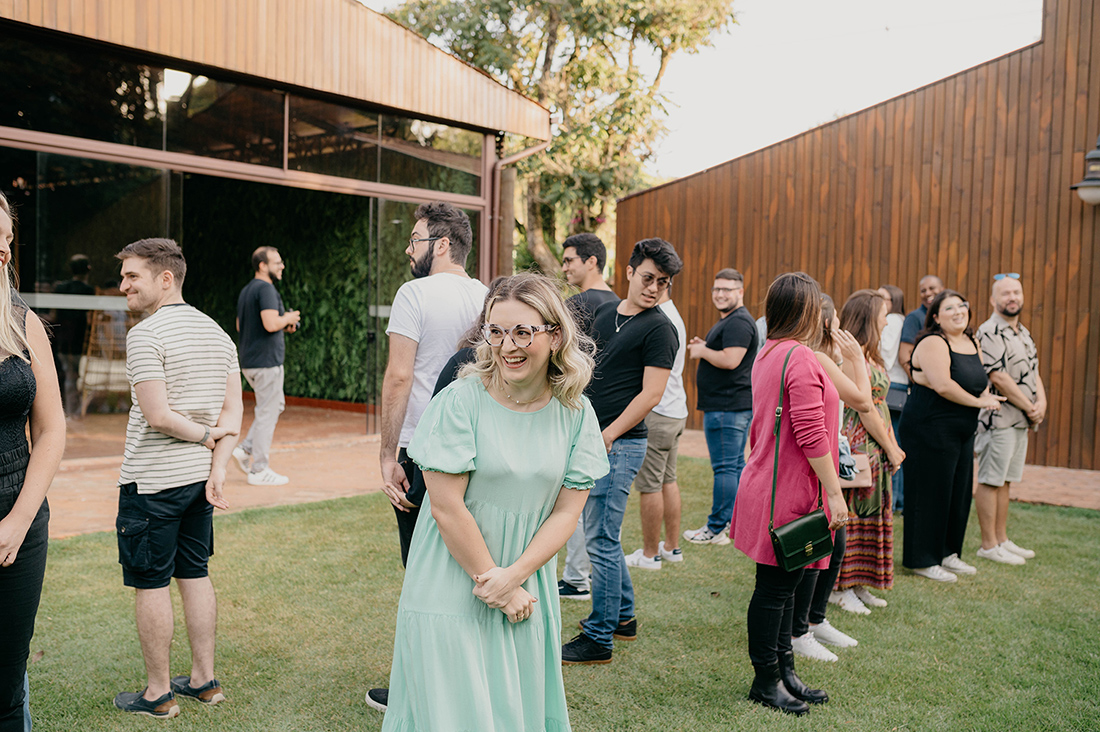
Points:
(217, 119)
(332, 140)
(428, 155)
(83, 94)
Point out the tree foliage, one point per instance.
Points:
(597, 65)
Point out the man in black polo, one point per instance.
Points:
(636, 348)
(723, 382)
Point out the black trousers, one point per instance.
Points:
(406, 520)
(20, 590)
(811, 598)
(771, 614)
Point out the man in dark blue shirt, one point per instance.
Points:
(930, 286)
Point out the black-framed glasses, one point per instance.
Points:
(414, 242)
(724, 290)
(1010, 275)
(521, 335)
(662, 282)
(567, 260)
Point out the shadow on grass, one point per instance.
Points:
(308, 597)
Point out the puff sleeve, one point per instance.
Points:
(444, 437)
(587, 455)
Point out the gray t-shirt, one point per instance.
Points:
(259, 348)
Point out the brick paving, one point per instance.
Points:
(328, 454)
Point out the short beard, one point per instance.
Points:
(727, 310)
(423, 267)
(1010, 314)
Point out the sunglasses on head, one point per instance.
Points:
(1010, 275)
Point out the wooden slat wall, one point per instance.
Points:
(335, 46)
(963, 178)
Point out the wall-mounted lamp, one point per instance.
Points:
(1089, 188)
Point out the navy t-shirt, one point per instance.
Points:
(728, 390)
(645, 339)
(584, 304)
(259, 348)
(914, 323)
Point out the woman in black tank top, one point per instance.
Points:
(948, 389)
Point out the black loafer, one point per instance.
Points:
(136, 703)
(582, 650)
(209, 693)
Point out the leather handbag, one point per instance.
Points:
(806, 539)
(862, 478)
(896, 398)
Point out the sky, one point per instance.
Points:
(790, 65)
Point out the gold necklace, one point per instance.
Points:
(529, 401)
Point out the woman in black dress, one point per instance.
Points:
(948, 388)
(28, 389)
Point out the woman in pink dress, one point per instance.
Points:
(808, 438)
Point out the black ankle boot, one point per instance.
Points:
(768, 689)
(794, 684)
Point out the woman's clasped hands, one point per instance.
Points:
(499, 588)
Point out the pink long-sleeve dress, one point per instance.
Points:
(809, 427)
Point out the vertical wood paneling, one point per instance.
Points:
(964, 178)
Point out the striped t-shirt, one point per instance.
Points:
(193, 356)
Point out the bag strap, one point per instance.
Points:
(775, 431)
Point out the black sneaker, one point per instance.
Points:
(209, 693)
(567, 591)
(627, 630)
(379, 699)
(582, 650)
(135, 703)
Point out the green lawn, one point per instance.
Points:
(308, 596)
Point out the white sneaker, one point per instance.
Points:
(706, 536)
(808, 647)
(937, 573)
(851, 603)
(1019, 551)
(641, 561)
(826, 633)
(244, 460)
(676, 555)
(997, 554)
(958, 566)
(267, 476)
(868, 599)
(834, 597)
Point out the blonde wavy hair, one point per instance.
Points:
(571, 364)
(13, 341)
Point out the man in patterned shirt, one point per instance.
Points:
(185, 387)
(1010, 359)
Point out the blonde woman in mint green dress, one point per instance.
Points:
(508, 451)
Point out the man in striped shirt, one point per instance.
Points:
(185, 388)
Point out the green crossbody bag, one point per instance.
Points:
(806, 539)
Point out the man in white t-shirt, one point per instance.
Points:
(659, 493)
(185, 385)
(428, 318)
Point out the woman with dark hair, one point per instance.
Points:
(889, 348)
(869, 556)
(937, 429)
(509, 452)
(28, 393)
(842, 358)
(807, 438)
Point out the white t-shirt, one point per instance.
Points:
(674, 402)
(434, 311)
(888, 345)
(193, 356)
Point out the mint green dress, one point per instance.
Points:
(458, 664)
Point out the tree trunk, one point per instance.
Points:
(536, 242)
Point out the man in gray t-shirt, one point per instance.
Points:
(261, 321)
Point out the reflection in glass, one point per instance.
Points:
(429, 155)
(332, 139)
(218, 119)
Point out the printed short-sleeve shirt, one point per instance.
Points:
(1013, 351)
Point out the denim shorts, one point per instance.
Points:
(164, 535)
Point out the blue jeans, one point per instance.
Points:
(726, 433)
(612, 591)
(899, 477)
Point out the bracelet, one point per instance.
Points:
(206, 436)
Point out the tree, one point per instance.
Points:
(597, 66)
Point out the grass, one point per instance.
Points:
(308, 596)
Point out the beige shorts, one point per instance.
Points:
(1001, 455)
(659, 466)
